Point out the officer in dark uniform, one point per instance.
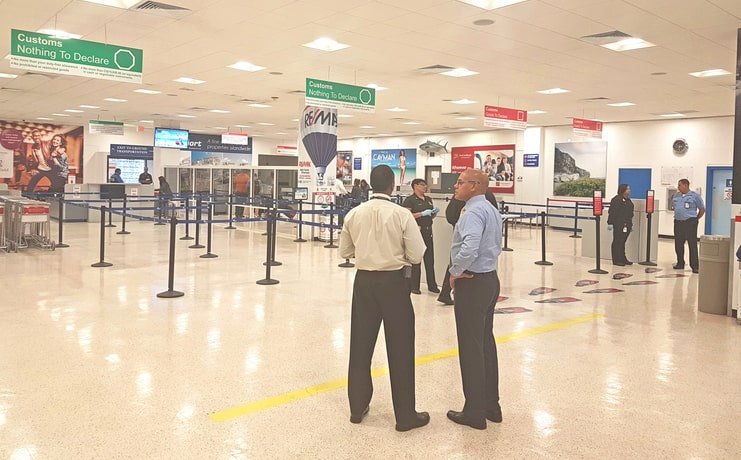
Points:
(423, 211)
(620, 222)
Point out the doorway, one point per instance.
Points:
(718, 200)
(434, 178)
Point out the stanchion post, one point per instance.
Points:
(346, 264)
(209, 254)
(506, 234)
(171, 292)
(542, 260)
(576, 221)
(300, 238)
(273, 234)
(649, 212)
(123, 218)
(110, 206)
(231, 213)
(187, 218)
(60, 217)
(197, 244)
(102, 262)
(597, 212)
(269, 251)
(331, 244)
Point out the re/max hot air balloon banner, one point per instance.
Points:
(319, 136)
(402, 161)
(333, 95)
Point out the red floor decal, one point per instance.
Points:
(510, 310)
(653, 269)
(559, 300)
(621, 276)
(582, 283)
(541, 290)
(604, 291)
(640, 283)
(673, 275)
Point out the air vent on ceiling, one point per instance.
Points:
(595, 99)
(149, 5)
(4, 88)
(434, 69)
(186, 89)
(197, 109)
(41, 75)
(605, 37)
(297, 91)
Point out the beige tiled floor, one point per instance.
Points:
(93, 365)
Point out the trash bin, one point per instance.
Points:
(712, 296)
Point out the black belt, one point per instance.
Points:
(381, 272)
(478, 274)
(691, 219)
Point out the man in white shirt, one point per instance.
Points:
(339, 186)
(385, 241)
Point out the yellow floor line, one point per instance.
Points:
(285, 398)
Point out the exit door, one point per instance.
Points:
(718, 200)
(434, 178)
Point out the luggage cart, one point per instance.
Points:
(3, 243)
(28, 224)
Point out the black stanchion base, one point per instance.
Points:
(187, 238)
(543, 262)
(231, 227)
(267, 282)
(331, 246)
(61, 245)
(123, 232)
(598, 271)
(170, 294)
(160, 223)
(196, 246)
(346, 265)
(273, 263)
(647, 263)
(299, 240)
(574, 236)
(110, 225)
(208, 255)
(101, 264)
(507, 249)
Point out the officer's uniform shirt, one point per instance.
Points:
(620, 213)
(687, 206)
(416, 204)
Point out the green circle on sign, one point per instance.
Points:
(124, 59)
(365, 94)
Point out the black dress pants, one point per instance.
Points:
(429, 260)
(445, 289)
(619, 237)
(686, 231)
(475, 299)
(382, 297)
(242, 199)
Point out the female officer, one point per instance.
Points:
(620, 221)
(423, 211)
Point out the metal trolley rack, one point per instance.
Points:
(3, 243)
(26, 223)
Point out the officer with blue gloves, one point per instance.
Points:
(423, 211)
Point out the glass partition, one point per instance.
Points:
(186, 180)
(265, 183)
(203, 180)
(171, 177)
(287, 181)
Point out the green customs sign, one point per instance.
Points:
(82, 58)
(331, 95)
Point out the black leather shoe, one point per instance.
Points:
(678, 267)
(461, 419)
(422, 419)
(619, 264)
(435, 290)
(416, 291)
(359, 418)
(494, 415)
(627, 262)
(446, 301)
(695, 270)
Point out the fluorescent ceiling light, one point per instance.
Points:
(672, 114)
(186, 116)
(376, 87)
(244, 126)
(326, 44)
(710, 73)
(113, 99)
(220, 127)
(621, 104)
(459, 72)
(147, 91)
(463, 101)
(190, 81)
(74, 111)
(627, 44)
(85, 106)
(256, 135)
(367, 127)
(412, 123)
(146, 121)
(468, 129)
(397, 109)
(219, 111)
(8, 75)
(129, 125)
(342, 115)
(125, 4)
(258, 105)
(281, 134)
(44, 118)
(263, 123)
(60, 34)
(60, 114)
(553, 91)
(421, 132)
(465, 118)
(491, 4)
(246, 66)
(536, 112)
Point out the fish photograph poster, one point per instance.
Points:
(497, 161)
(402, 161)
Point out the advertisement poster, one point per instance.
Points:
(498, 161)
(344, 166)
(220, 159)
(402, 161)
(44, 155)
(579, 168)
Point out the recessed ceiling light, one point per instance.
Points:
(246, 66)
(44, 118)
(463, 101)
(483, 22)
(147, 91)
(190, 81)
(536, 112)
(465, 118)
(241, 126)
(326, 44)
(294, 119)
(129, 125)
(468, 129)
(553, 91)
(397, 109)
(263, 123)
(367, 127)
(256, 135)
(146, 121)
(85, 106)
(412, 123)
(376, 87)
(421, 132)
(74, 111)
(342, 115)
(60, 114)
(60, 34)
(627, 44)
(672, 114)
(491, 4)
(281, 134)
(220, 127)
(186, 116)
(219, 111)
(621, 104)
(710, 73)
(258, 105)
(113, 99)
(459, 72)
(125, 4)
(8, 75)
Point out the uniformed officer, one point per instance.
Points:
(688, 209)
(620, 222)
(423, 211)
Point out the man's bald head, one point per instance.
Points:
(471, 182)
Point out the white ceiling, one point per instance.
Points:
(531, 46)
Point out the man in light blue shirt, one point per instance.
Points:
(477, 243)
(688, 210)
